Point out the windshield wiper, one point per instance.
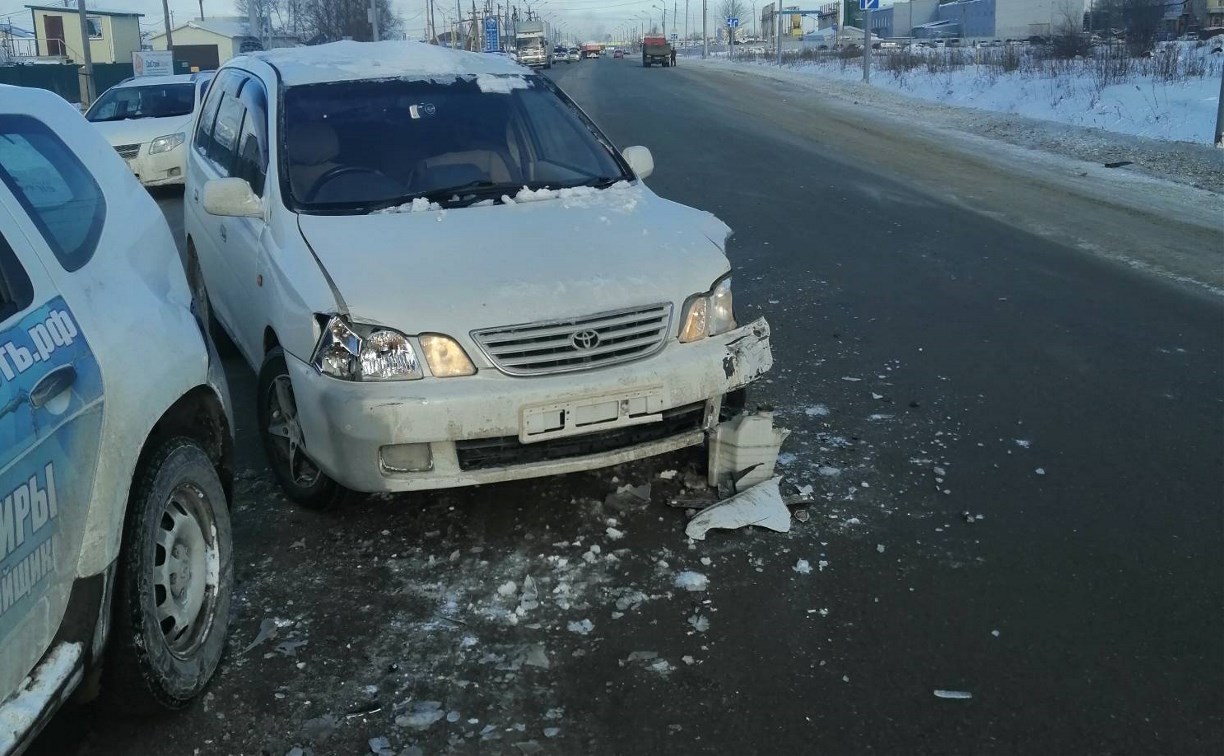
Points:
(448, 195)
(601, 182)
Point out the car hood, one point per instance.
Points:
(141, 130)
(457, 270)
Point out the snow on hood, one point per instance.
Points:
(458, 270)
(351, 61)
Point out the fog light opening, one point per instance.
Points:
(402, 458)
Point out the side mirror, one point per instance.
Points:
(232, 198)
(640, 160)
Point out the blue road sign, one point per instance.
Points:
(675, 35)
(491, 41)
(733, 22)
(869, 4)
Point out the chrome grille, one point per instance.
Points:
(128, 151)
(559, 346)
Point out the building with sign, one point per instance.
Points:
(113, 34)
(206, 44)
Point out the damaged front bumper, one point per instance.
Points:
(486, 428)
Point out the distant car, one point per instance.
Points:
(618, 53)
(148, 119)
(561, 55)
(573, 55)
(114, 475)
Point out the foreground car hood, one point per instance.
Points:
(141, 130)
(463, 269)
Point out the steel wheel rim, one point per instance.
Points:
(285, 432)
(186, 569)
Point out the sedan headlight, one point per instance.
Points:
(709, 314)
(365, 353)
(166, 143)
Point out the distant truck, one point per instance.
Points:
(656, 49)
(592, 50)
(532, 42)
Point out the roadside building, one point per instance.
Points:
(113, 34)
(206, 44)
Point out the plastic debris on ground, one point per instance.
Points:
(760, 505)
(628, 499)
(744, 450)
(956, 695)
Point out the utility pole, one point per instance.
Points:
(705, 39)
(686, 24)
(1219, 131)
(165, 10)
(867, 45)
(778, 33)
(373, 14)
(88, 56)
(458, 23)
(201, 10)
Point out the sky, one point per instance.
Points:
(579, 19)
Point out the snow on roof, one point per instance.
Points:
(88, 11)
(351, 61)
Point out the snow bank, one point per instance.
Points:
(1072, 93)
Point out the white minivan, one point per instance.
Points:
(385, 231)
(115, 435)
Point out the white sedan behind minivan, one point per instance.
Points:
(148, 120)
(385, 231)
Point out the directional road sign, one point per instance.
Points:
(869, 4)
(733, 22)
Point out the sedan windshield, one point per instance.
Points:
(155, 101)
(364, 146)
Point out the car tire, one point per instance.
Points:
(301, 480)
(170, 615)
(202, 304)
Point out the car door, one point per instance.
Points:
(50, 388)
(226, 253)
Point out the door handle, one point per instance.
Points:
(224, 234)
(52, 385)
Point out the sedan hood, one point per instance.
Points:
(141, 130)
(559, 255)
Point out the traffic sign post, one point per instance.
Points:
(492, 43)
(867, 6)
(732, 25)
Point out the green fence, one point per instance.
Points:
(63, 79)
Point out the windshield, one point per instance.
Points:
(155, 101)
(356, 147)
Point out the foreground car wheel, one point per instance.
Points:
(298, 475)
(174, 581)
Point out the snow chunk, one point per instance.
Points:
(614, 534)
(699, 623)
(692, 581)
(960, 695)
(418, 205)
(499, 84)
(802, 567)
(582, 628)
(816, 410)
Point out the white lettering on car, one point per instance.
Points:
(57, 331)
(27, 505)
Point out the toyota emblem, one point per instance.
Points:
(585, 340)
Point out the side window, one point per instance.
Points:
(225, 133)
(55, 189)
(251, 162)
(16, 293)
(208, 114)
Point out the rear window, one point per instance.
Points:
(155, 101)
(55, 189)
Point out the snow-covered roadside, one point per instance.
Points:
(1197, 165)
(1071, 93)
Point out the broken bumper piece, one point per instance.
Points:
(486, 428)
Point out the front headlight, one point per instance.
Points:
(166, 143)
(445, 357)
(709, 314)
(380, 355)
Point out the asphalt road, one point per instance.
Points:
(931, 361)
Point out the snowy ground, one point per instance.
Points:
(1080, 92)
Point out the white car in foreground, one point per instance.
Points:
(399, 268)
(148, 121)
(115, 440)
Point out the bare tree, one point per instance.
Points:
(732, 9)
(328, 20)
(1139, 19)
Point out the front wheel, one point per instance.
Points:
(283, 439)
(174, 581)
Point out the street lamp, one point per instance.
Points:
(664, 9)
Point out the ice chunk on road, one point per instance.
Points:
(507, 589)
(692, 581)
(699, 623)
(760, 505)
(421, 716)
(816, 410)
(802, 567)
(582, 628)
